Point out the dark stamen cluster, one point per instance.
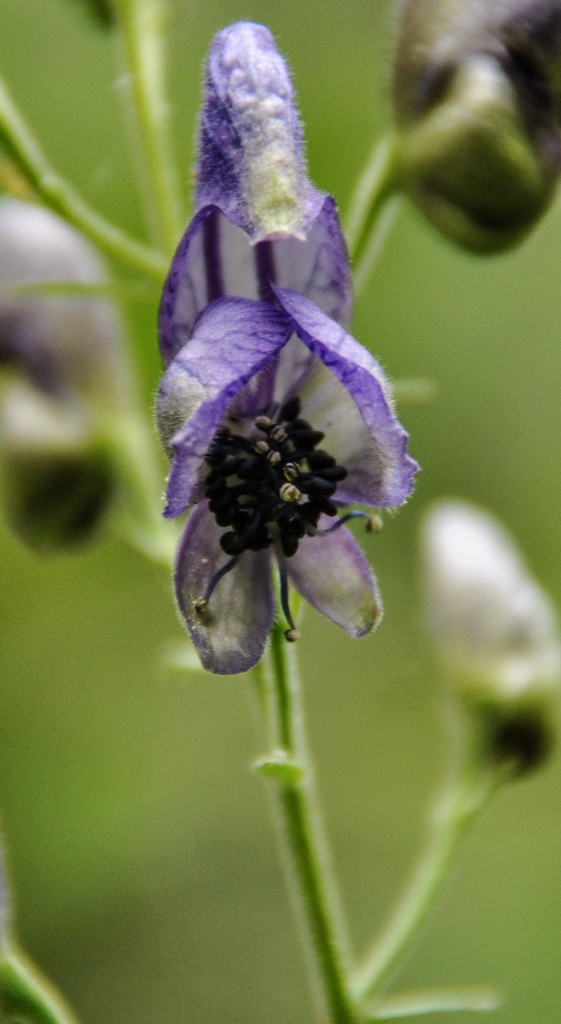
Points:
(273, 485)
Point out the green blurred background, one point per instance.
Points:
(140, 847)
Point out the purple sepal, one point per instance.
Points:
(216, 258)
(233, 340)
(259, 219)
(230, 635)
(380, 470)
(333, 575)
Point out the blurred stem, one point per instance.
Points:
(143, 30)
(472, 999)
(62, 197)
(289, 771)
(25, 993)
(470, 783)
(373, 209)
(131, 444)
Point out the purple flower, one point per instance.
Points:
(261, 372)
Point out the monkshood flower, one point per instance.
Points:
(476, 100)
(495, 630)
(261, 372)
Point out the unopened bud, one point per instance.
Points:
(102, 10)
(57, 480)
(67, 345)
(495, 631)
(476, 99)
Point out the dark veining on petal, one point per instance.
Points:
(213, 259)
(265, 268)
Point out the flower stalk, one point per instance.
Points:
(295, 812)
(374, 206)
(143, 26)
(470, 783)
(65, 200)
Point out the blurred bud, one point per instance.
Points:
(66, 353)
(495, 631)
(477, 93)
(57, 477)
(102, 10)
(67, 345)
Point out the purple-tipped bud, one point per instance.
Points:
(251, 161)
(67, 345)
(477, 102)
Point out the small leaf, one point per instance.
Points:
(279, 767)
(480, 999)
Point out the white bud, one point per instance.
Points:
(487, 615)
(496, 633)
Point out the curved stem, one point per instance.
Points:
(382, 226)
(463, 797)
(24, 992)
(62, 197)
(143, 25)
(291, 783)
(377, 183)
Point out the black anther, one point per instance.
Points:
(290, 409)
(334, 473)
(320, 460)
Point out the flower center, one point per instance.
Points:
(272, 486)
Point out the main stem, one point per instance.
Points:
(295, 813)
(466, 791)
(143, 27)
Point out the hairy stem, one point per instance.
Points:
(62, 197)
(143, 28)
(465, 793)
(290, 774)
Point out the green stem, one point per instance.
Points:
(131, 443)
(472, 999)
(462, 799)
(143, 27)
(306, 861)
(25, 993)
(61, 196)
(386, 217)
(376, 185)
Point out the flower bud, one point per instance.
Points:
(495, 631)
(66, 345)
(57, 478)
(476, 98)
(102, 11)
(250, 136)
